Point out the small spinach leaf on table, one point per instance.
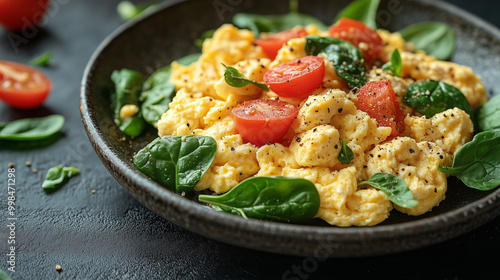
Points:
(432, 97)
(128, 87)
(274, 23)
(347, 60)
(177, 162)
(488, 114)
(57, 176)
(361, 10)
(394, 187)
(477, 163)
(435, 38)
(158, 91)
(236, 79)
(31, 128)
(277, 198)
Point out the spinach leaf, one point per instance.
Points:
(435, 38)
(128, 10)
(4, 275)
(128, 86)
(236, 79)
(31, 128)
(158, 91)
(432, 97)
(177, 162)
(277, 198)
(394, 187)
(361, 10)
(347, 59)
(346, 154)
(205, 35)
(477, 163)
(488, 114)
(276, 23)
(395, 65)
(42, 60)
(57, 176)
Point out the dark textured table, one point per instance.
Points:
(93, 229)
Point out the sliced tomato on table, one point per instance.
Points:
(271, 43)
(379, 101)
(263, 121)
(360, 35)
(18, 14)
(297, 78)
(22, 86)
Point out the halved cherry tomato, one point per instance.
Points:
(18, 14)
(21, 86)
(360, 35)
(297, 78)
(263, 121)
(379, 101)
(272, 43)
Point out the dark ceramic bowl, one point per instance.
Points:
(153, 41)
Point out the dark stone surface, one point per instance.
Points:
(110, 235)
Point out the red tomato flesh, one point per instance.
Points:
(379, 101)
(21, 86)
(263, 121)
(297, 78)
(360, 35)
(272, 43)
(18, 14)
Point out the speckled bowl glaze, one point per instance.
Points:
(154, 40)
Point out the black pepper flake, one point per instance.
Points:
(232, 149)
(340, 110)
(412, 151)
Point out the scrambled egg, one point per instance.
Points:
(204, 102)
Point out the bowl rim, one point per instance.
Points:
(106, 152)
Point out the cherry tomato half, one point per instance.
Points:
(272, 43)
(379, 101)
(18, 14)
(297, 78)
(263, 121)
(360, 35)
(21, 86)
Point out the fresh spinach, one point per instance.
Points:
(395, 65)
(347, 60)
(276, 23)
(42, 60)
(58, 176)
(128, 10)
(361, 10)
(346, 154)
(236, 79)
(394, 187)
(432, 97)
(128, 87)
(477, 163)
(4, 275)
(177, 162)
(435, 38)
(158, 91)
(488, 114)
(277, 198)
(31, 128)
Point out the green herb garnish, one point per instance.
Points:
(236, 79)
(394, 187)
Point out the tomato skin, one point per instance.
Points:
(272, 43)
(30, 88)
(263, 121)
(297, 78)
(18, 14)
(379, 101)
(360, 35)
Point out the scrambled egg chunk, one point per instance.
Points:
(204, 102)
